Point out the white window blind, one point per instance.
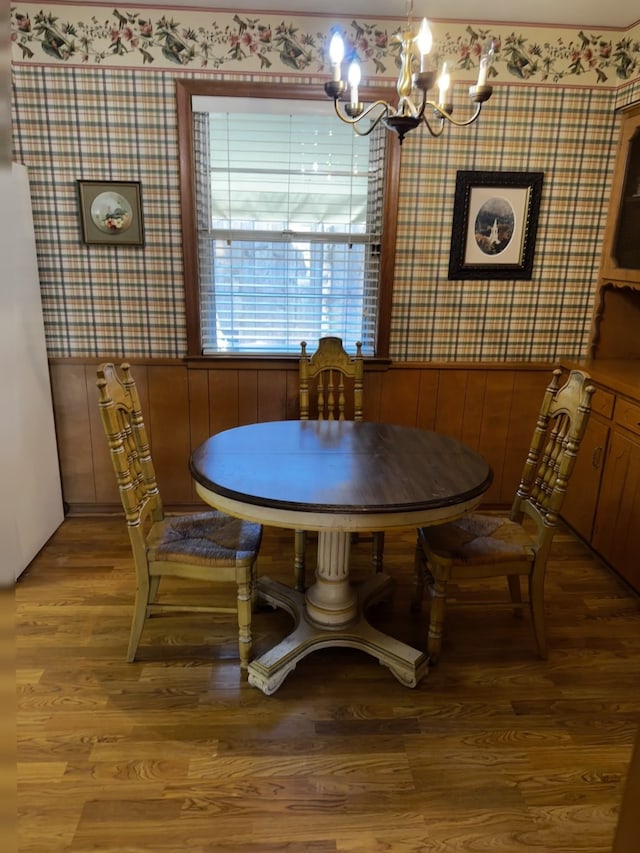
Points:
(289, 212)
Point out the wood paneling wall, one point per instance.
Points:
(491, 407)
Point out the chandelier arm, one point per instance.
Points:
(437, 131)
(353, 121)
(374, 123)
(458, 123)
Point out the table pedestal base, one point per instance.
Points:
(268, 672)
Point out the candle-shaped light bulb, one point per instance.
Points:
(336, 55)
(354, 82)
(424, 41)
(444, 81)
(486, 61)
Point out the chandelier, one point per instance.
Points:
(415, 77)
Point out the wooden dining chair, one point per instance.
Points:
(481, 546)
(331, 388)
(325, 379)
(209, 546)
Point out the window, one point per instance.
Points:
(283, 226)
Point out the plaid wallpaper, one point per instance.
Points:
(102, 122)
(568, 135)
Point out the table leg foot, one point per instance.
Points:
(259, 676)
(268, 672)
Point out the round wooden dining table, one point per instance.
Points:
(336, 478)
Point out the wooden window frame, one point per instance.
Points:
(185, 89)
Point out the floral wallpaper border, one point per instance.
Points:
(235, 43)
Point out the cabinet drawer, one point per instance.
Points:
(628, 415)
(602, 402)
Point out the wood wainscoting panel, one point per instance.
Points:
(292, 403)
(450, 405)
(198, 412)
(77, 450)
(491, 407)
(249, 396)
(475, 417)
(399, 397)
(428, 400)
(166, 414)
(224, 404)
(526, 397)
(373, 387)
(489, 403)
(271, 393)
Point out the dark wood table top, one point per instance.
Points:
(340, 466)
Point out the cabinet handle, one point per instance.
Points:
(597, 457)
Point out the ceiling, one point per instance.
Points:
(582, 13)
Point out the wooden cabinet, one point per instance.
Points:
(603, 498)
(621, 249)
(616, 534)
(581, 500)
(616, 318)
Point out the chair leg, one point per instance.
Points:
(377, 551)
(244, 621)
(299, 561)
(418, 579)
(154, 583)
(254, 586)
(515, 594)
(141, 603)
(438, 593)
(536, 603)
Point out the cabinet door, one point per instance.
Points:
(621, 255)
(617, 530)
(580, 502)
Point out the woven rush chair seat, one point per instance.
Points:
(476, 538)
(211, 539)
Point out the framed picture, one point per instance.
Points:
(495, 218)
(111, 212)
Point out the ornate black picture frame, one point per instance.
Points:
(495, 220)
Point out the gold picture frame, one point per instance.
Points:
(111, 212)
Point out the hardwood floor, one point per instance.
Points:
(494, 750)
